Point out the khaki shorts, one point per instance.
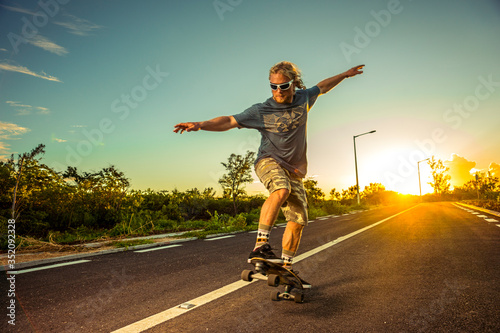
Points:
(275, 177)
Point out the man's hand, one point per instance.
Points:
(328, 84)
(218, 124)
(187, 127)
(354, 71)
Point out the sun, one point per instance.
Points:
(397, 168)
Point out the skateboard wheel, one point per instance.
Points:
(246, 275)
(275, 295)
(273, 280)
(298, 297)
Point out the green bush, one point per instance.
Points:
(488, 204)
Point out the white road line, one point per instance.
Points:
(47, 267)
(343, 238)
(485, 217)
(176, 311)
(157, 248)
(484, 210)
(147, 323)
(217, 238)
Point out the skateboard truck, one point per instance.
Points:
(276, 275)
(295, 296)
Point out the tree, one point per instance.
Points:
(239, 172)
(73, 174)
(313, 192)
(349, 195)
(374, 193)
(98, 195)
(441, 183)
(7, 183)
(486, 184)
(18, 170)
(335, 195)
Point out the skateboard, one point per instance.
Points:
(276, 275)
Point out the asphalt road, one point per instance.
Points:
(430, 268)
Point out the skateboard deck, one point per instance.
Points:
(276, 275)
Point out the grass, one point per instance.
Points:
(137, 226)
(202, 234)
(488, 204)
(127, 244)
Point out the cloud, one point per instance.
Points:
(24, 70)
(21, 109)
(54, 139)
(46, 44)
(4, 151)
(42, 110)
(74, 25)
(25, 109)
(18, 105)
(38, 40)
(9, 131)
(18, 10)
(76, 126)
(460, 169)
(3, 50)
(494, 169)
(78, 26)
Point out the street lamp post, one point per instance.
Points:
(418, 168)
(356, 162)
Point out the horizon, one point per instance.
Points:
(464, 175)
(99, 90)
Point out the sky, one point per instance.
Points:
(103, 83)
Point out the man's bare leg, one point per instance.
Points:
(269, 214)
(291, 241)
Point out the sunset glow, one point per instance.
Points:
(103, 83)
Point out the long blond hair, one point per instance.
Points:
(290, 70)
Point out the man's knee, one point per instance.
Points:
(282, 194)
(295, 226)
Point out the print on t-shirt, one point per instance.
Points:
(285, 121)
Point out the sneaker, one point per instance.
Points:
(266, 253)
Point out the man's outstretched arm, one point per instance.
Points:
(218, 124)
(328, 84)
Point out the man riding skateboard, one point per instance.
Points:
(281, 162)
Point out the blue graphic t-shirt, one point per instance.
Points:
(283, 129)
